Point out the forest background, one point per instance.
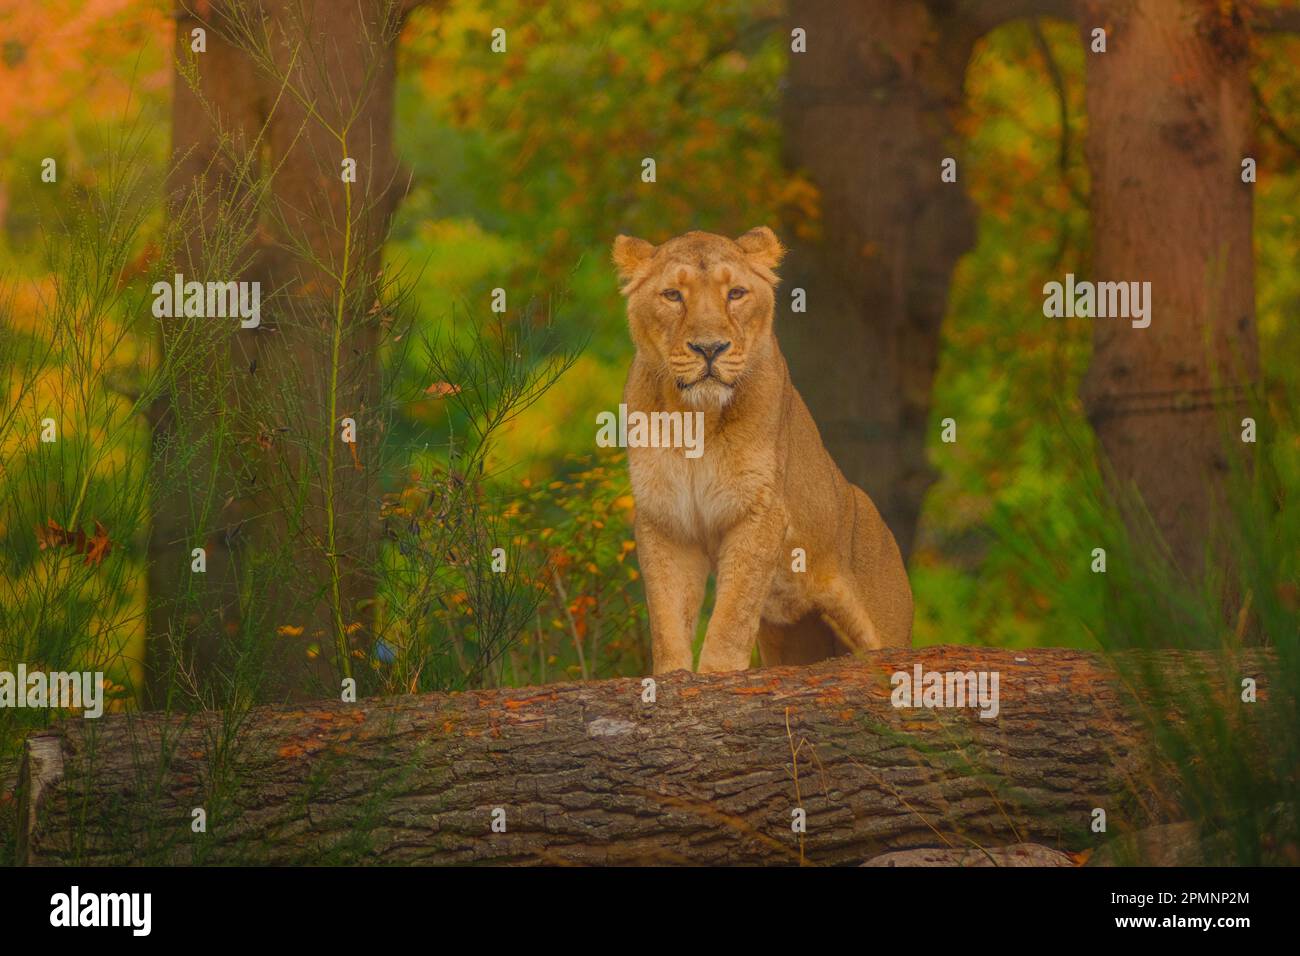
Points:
(523, 166)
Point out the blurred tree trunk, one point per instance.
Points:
(868, 116)
(1169, 119)
(242, 441)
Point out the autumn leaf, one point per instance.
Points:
(97, 547)
(53, 536)
(288, 630)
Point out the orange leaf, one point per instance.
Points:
(98, 546)
(54, 536)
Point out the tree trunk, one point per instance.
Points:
(710, 772)
(868, 116)
(1169, 118)
(242, 440)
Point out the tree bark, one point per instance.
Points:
(708, 773)
(869, 117)
(241, 440)
(1169, 121)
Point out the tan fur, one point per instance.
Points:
(764, 484)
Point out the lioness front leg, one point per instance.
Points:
(747, 562)
(675, 574)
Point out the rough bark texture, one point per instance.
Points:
(869, 116)
(241, 440)
(1169, 119)
(589, 773)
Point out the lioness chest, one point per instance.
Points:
(698, 499)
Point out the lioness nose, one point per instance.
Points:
(710, 350)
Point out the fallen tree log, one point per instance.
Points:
(715, 769)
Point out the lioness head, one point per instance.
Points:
(700, 307)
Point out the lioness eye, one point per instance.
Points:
(737, 293)
(672, 295)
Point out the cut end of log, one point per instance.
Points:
(42, 768)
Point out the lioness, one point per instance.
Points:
(700, 308)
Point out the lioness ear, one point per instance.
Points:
(629, 255)
(762, 246)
